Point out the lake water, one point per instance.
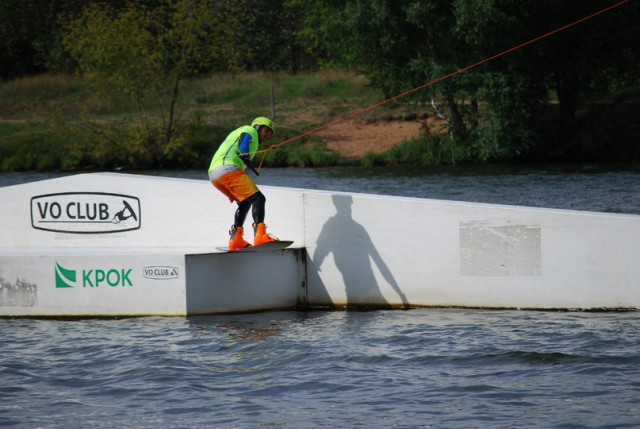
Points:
(604, 188)
(422, 368)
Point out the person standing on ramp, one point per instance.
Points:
(227, 174)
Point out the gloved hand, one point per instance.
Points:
(246, 159)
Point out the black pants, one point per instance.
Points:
(256, 202)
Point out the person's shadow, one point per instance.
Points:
(353, 253)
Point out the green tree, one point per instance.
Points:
(501, 109)
(30, 36)
(274, 32)
(403, 44)
(145, 49)
(320, 32)
(578, 66)
(514, 95)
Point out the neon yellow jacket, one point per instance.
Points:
(229, 151)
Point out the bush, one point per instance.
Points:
(425, 150)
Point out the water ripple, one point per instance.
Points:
(418, 368)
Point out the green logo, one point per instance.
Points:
(92, 278)
(64, 278)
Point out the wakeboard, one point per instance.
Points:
(267, 247)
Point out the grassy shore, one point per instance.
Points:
(53, 122)
(58, 122)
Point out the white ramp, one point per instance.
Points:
(127, 245)
(117, 244)
(400, 251)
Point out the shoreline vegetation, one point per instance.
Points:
(59, 123)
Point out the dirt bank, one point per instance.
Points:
(356, 138)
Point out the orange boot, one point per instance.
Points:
(236, 241)
(260, 235)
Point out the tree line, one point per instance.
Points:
(266, 35)
(572, 95)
